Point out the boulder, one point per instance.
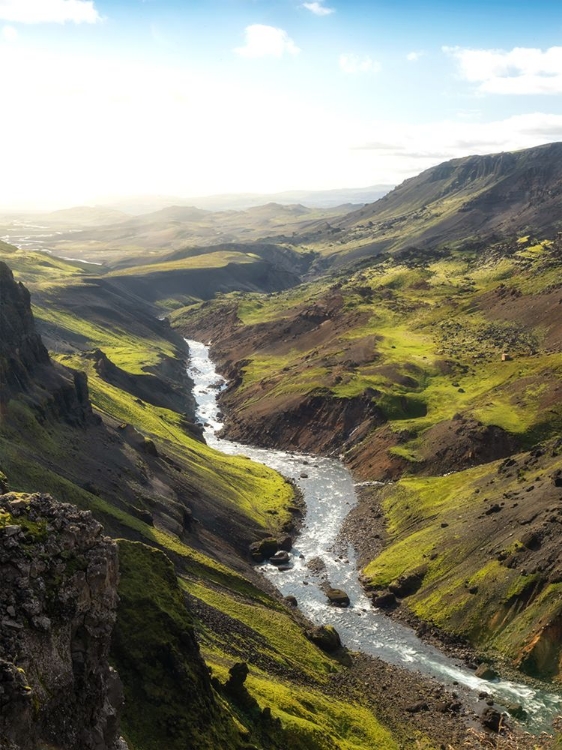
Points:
(531, 540)
(386, 600)
(337, 597)
(263, 549)
(485, 672)
(316, 565)
(279, 558)
(291, 601)
(517, 711)
(326, 637)
(255, 553)
(409, 583)
(268, 547)
(285, 542)
(491, 718)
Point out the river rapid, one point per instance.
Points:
(329, 494)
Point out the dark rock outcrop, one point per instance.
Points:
(25, 366)
(318, 422)
(485, 672)
(21, 348)
(57, 610)
(326, 637)
(491, 718)
(409, 583)
(279, 558)
(386, 600)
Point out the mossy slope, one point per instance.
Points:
(416, 341)
(487, 543)
(447, 361)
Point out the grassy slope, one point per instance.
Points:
(256, 491)
(43, 456)
(428, 338)
(483, 579)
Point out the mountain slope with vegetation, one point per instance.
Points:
(418, 367)
(187, 513)
(477, 198)
(434, 366)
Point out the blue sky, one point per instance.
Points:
(192, 97)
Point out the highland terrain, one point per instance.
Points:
(419, 337)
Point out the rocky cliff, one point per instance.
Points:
(57, 610)
(21, 348)
(25, 366)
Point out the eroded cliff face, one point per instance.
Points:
(58, 603)
(26, 369)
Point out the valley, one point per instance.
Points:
(417, 338)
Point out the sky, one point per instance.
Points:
(108, 98)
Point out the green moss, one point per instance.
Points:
(283, 639)
(169, 701)
(35, 531)
(314, 721)
(429, 338)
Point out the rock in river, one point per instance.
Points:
(280, 558)
(337, 597)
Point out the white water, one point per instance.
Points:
(329, 495)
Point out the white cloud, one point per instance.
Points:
(318, 8)
(358, 64)
(266, 41)
(48, 11)
(9, 34)
(522, 70)
(414, 56)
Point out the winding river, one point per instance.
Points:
(329, 494)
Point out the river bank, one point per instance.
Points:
(329, 495)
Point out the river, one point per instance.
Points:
(26, 236)
(329, 494)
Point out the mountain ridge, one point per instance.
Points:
(468, 198)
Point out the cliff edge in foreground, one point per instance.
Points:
(57, 610)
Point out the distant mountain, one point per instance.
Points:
(168, 214)
(81, 216)
(178, 227)
(308, 198)
(476, 196)
(240, 201)
(141, 204)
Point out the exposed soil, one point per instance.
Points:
(543, 311)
